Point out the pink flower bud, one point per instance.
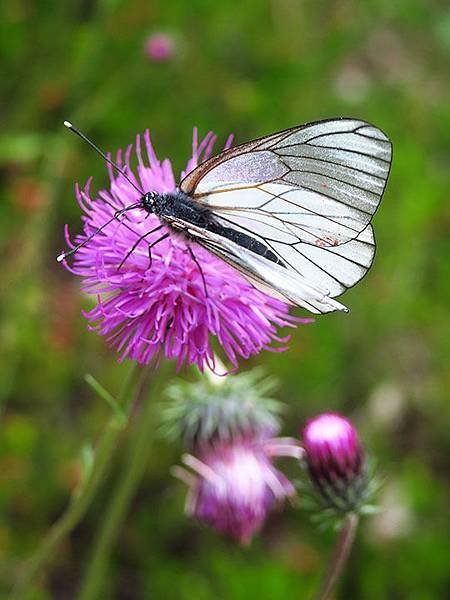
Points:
(159, 47)
(335, 460)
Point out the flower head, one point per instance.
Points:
(335, 461)
(235, 485)
(163, 306)
(228, 423)
(159, 47)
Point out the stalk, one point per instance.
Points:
(339, 557)
(82, 496)
(118, 506)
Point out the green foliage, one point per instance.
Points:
(249, 68)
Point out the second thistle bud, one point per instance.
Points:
(335, 463)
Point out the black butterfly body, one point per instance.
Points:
(179, 211)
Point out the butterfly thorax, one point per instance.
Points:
(176, 205)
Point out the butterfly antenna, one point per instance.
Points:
(80, 134)
(116, 215)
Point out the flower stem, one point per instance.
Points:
(116, 510)
(82, 496)
(339, 557)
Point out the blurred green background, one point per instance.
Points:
(251, 68)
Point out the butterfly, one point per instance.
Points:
(291, 211)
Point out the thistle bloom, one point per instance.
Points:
(235, 485)
(229, 424)
(335, 461)
(159, 47)
(147, 309)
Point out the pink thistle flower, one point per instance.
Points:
(235, 484)
(147, 310)
(159, 47)
(335, 460)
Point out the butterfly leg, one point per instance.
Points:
(194, 258)
(160, 239)
(136, 244)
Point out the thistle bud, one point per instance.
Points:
(335, 462)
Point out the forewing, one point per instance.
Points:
(318, 184)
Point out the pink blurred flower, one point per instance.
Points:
(159, 47)
(149, 310)
(335, 460)
(235, 484)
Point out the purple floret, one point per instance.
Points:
(235, 484)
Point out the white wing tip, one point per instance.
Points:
(318, 305)
(336, 305)
(326, 305)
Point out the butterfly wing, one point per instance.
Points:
(318, 183)
(307, 193)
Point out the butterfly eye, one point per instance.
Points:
(148, 201)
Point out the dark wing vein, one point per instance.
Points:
(331, 162)
(309, 210)
(358, 152)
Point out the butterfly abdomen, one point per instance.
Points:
(245, 241)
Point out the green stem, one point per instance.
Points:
(133, 470)
(339, 557)
(81, 498)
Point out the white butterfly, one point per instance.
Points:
(308, 194)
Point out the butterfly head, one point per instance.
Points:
(149, 201)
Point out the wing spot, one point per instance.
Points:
(326, 241)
